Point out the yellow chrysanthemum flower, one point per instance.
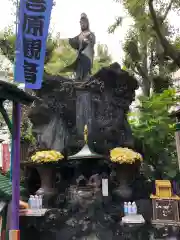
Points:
(124, 155)
(47, 156)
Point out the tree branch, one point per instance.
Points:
(146, 81)
(136, 72)
(151, 60)
(168, 48)
(167, 10)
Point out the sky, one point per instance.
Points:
(66, 15)
(101, 14)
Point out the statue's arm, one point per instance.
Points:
(92, 39)
(74, 42)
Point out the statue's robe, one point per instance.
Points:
(85, 53)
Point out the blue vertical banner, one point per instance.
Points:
(33, 25)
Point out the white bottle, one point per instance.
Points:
(36, 202)
(129, 208)
(33, 202)
(134, 208)
(30, 201)
(125, 208)
(105, 191)
(40, 202)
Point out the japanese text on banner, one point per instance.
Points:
(34, 19)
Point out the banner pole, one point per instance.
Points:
(14, 231)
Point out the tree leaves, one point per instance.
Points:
(59, 53)
(102, 59)
(117, 23)
(145, 56)
(132, 49)
(155, 130)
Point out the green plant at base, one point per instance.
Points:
(154, 129)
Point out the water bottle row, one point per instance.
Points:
(130, 208)
(35, 202)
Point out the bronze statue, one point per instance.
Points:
(84, 44)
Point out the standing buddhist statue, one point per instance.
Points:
(84, 45)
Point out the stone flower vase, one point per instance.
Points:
(125, 173)
(46, 190)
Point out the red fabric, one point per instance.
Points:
(5, 157)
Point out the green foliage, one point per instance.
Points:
(28, 137)
(63, 55)
(131, 47)
(177, 43)
(154, 129)
(59, 53)
(26, 131)
(144, 55)
(102, 58)
(7, 45)
(117, 23)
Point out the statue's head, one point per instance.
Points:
(84, 22)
